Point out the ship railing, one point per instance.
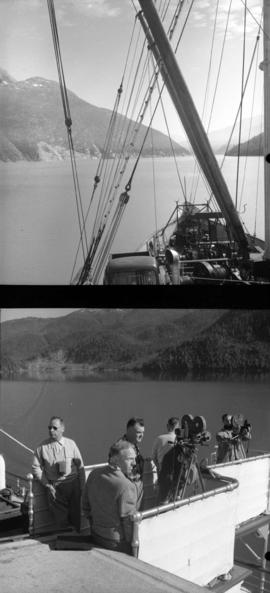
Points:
(253, 475)
(250, 453)
(194, 538)
(40, 519)
(250, 480)
(17, 482)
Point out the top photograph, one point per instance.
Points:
(135, 142)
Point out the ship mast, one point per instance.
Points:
(189, 117)
(266, 71)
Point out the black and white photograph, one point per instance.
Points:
(134, 142)
(134, 450)
(134, 296)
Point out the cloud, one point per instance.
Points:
(205, 13)
(91, 8)
(63, 8)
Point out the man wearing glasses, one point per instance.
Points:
(58, 465)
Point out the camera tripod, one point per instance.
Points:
(189, 464)
(238, 443)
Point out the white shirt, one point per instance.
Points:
(47, 457)
(161, 446)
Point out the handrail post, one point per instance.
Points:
(30, 478)
(2, 473)
(268, 493)
(135, 543)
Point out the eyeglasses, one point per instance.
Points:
(53, 427)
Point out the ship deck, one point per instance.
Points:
(48, 564)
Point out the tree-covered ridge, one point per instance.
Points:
(239, 341)
(148, 341)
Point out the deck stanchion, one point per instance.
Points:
(135, 536)
(31, 504)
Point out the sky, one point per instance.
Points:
(94, 37)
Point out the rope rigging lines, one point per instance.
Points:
(246, 71)
(127, 134)
(68, 123)
(139, 99)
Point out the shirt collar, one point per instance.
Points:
(61, 442)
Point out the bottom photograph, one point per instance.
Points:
(134, 450)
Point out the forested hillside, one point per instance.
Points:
(140, 340)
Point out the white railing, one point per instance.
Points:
(194, 538)
(89, 468)
(253, 475)
(207, 516)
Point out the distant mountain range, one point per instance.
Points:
(32, 124)
(151, 342)
(253, 147)
(219, 139)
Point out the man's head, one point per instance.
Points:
(173, 423)
(135, 430)
(122, 454)
(227, 420)
(56, 428)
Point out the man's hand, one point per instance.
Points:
(52, 491)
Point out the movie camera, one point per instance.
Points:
(193, 431)
(179, 466)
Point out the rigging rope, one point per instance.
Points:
(241, 107)
(238, 110)
(106, 218)
(153, 166)
(257, 185)
(249, 132)
(101, 214)
(147, 100)
(16, 441)
(68, 123)
(107, 204)
(205, 99)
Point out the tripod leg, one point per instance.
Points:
(192, 463)
(242, 449)
(179, 479)
(200, 477)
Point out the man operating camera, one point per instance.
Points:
(232, 437)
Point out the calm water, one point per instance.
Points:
(38, 219)
(96, 412)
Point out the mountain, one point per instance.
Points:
(32, 124)
(249, 128)
(254, 147)
(239, 341)
(140, 340)
(219, 138)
